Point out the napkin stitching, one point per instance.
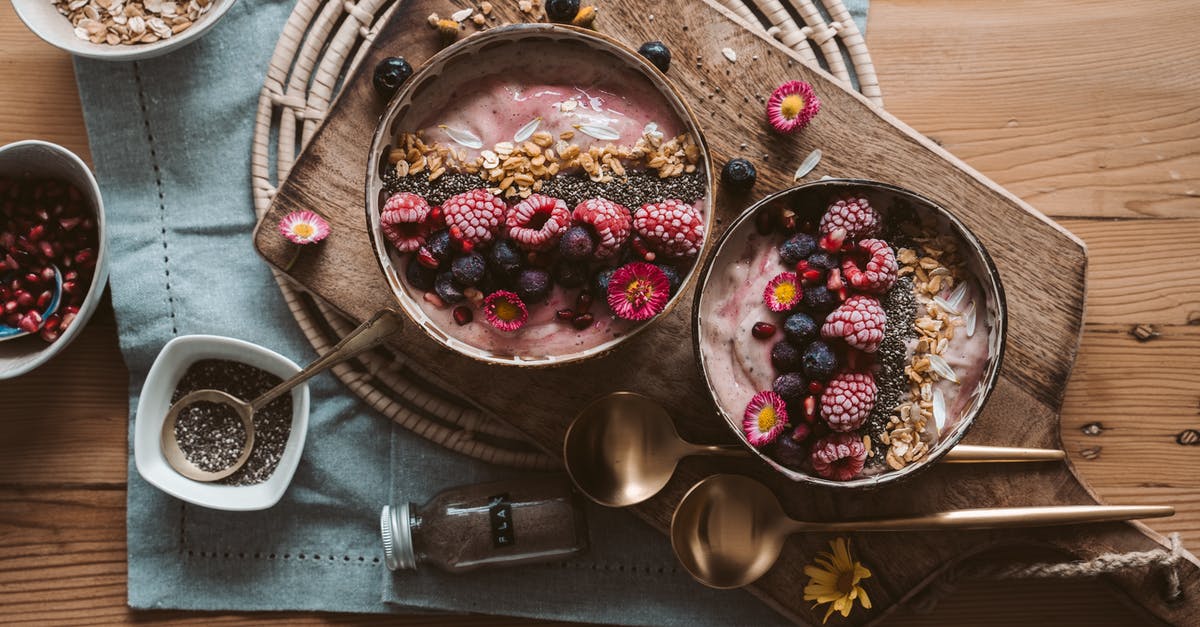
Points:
(162, 208)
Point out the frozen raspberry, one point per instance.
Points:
(839, 456)
(608, 221)
(859, 321)
(854, 215)
(870, 267)
(402, 220)
(672, 227)
(537, 222)
(847, 400)
(477, 216)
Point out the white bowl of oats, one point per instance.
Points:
(120, 30)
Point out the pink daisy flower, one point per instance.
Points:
(505, 310)
(638, 291)
(783, 292)
(792, 106)
(765, 418)
(303, 227)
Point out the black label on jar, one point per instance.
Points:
(500, 513)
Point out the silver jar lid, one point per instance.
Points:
(396, 528)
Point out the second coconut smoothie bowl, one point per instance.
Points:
(538, 213)
(849, 331)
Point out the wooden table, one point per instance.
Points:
(1084, 109)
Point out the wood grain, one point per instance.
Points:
(924, 50)
(1042, 267)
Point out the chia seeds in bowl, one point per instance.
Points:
(896, 343)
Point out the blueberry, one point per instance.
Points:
(673, 278)
(419, 276)
(445, 287)
(533, 285)
(468, 269)
(600, 282)
(439, 245)
(792, 387)
(800, 328)
(656, 53)
(505, 258)
(797, 247)
(577, 244)
(786, 357)
(819, 362)
(390, 74)
(789, 452)
(823, 260)
(739, 174)
(571, 274)
(819, 299)
(562, 11)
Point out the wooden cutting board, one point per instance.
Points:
(1042, 266)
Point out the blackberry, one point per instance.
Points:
(823, 260)
(447, 290)
(390, 74)
(577, 244)
(739, 174)
(786, 357)
(788, 451)
(440, 246)
(600, 282)
(562, 11)
(673, 278)
(800, 328)
(792, 387)
(468, 269)
(419, 276)
(819, 299)
(819, 361)
(797, 247)
(505, 258)
(571, 274)
(657, 54)
(533, 285)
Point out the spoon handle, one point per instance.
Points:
(994, 518)
(721, 450)
(369, 334)
(970, 454)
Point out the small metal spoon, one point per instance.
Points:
(366, 336)
(728, 530)
(623, 448)
(9, 333)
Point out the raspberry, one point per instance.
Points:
(476, 214)
(537, 222)
(847, 400)
(854, 214)
(402, 220)
(672, 227)
(608, 221)
(839, 456)
(871, 266)
(859, 321)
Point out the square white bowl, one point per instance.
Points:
(168, 368)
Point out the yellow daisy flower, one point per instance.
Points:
(834, 578)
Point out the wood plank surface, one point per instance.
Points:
(926, 52)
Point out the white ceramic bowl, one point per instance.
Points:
(45, 160)
(164, 375)
(41, 17)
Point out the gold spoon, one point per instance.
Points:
(728, 530)
(623, 448)
(366, 336)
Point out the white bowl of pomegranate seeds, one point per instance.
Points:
(849, 331)
(51, 218)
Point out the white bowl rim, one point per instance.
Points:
(99, 277)
(148, 457)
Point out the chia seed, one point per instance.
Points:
(211, 435)
(900, 305)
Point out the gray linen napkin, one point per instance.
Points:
(170, 138)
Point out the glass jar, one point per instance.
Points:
(492, 524)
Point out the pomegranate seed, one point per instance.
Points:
(25, 299)
(762, 330)
(47, 274)
(834, 282)
(49, 335)
(69, 224)
(12, 319)
(67, 319)
(810, 409)
(33, 277)
(565, 315)
(52, 322)
(30, 322)
(72, 309)
(832, 242)
(70, 275)
(424, 257)
(435, 214)
(85, 257)
(44, 299)
(68, 287)
(583, 303)
(639, 247)
(465, 246)
(37, 232)
(582, 321)
(801, 432)
(46, 248)
(810, 276)
(815, 387)
(463, 315)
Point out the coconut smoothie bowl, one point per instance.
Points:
(849, 331)
(537, 214)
